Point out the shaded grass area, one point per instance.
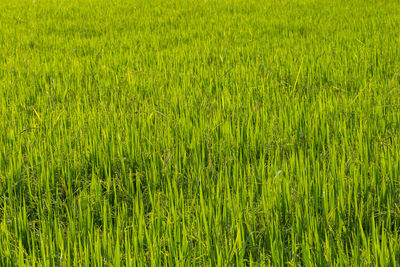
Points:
(199, 133)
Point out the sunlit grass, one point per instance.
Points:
(206, 133)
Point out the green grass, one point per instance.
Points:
(209, 133)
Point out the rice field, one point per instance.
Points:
(199, 133)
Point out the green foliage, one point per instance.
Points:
(210, 133)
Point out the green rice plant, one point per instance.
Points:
(199, 133)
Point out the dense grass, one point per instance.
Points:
(199, 132)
